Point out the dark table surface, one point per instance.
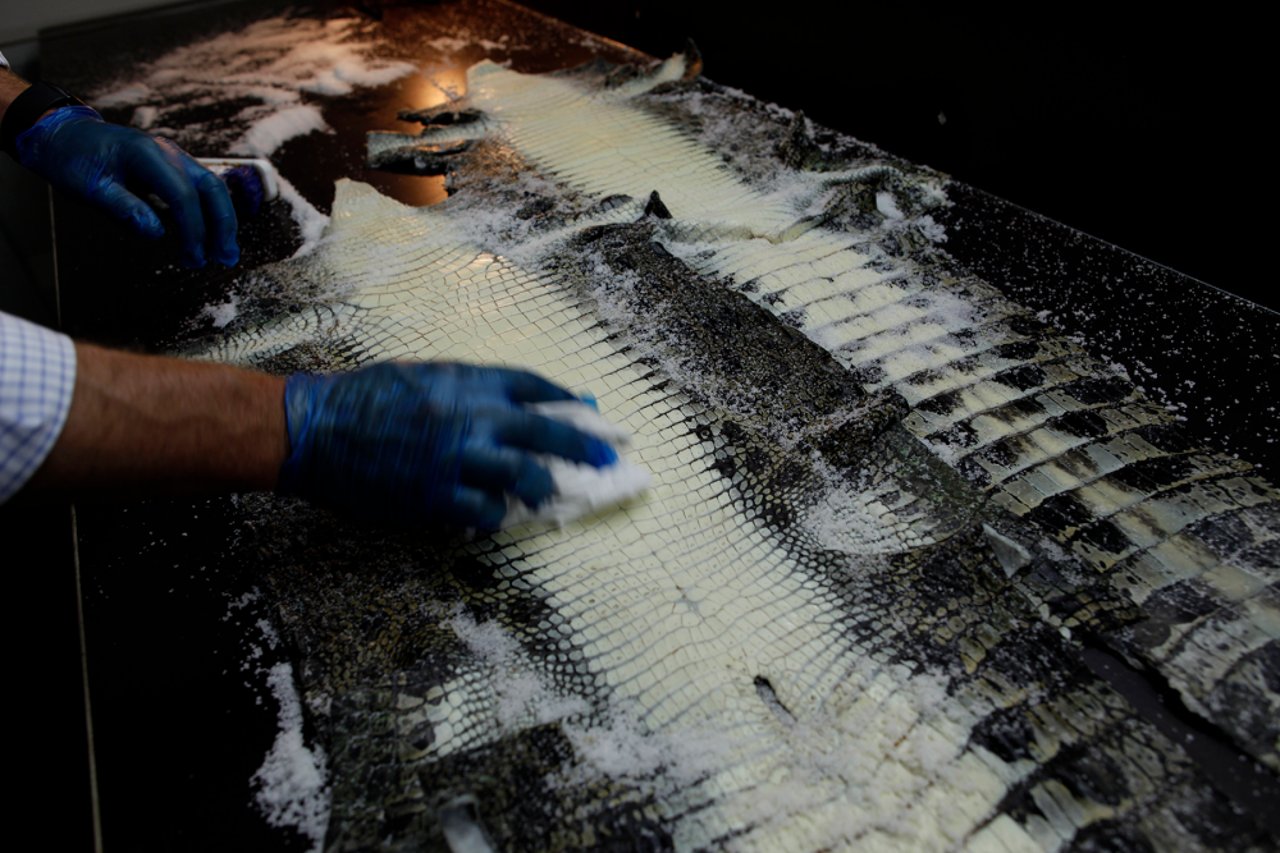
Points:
(181, 719)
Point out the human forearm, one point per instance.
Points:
(11, 86)
(153, 424)
(434, 443)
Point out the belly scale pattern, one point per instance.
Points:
(887, 503)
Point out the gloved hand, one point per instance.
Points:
(75, 150)
(436, 442)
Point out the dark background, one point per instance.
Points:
(1145, 131)
(1148, 131)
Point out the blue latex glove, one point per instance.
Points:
(76, 151)
(436, 442)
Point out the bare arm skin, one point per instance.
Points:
(147, 424)
(163, 425)
(11, 86)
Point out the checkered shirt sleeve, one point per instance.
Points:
(37, 374)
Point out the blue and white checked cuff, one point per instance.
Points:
(37, 376)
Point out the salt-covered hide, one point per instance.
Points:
(890, 512)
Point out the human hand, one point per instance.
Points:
(76, 151)
(426, 442)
